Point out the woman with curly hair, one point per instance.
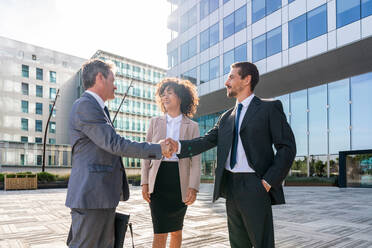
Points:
(170, 185)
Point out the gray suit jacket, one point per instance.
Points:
(98, 177)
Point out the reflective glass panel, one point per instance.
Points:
(214, 34)
(228, 59)
(272, 5)
(240, 18)
(317, 22)
(228, 25)
(318, 120)
(339, 116)
(361, 112)
(259, 48)
(214, 66)
(258, 10)
(240, 53)
(204, 40)
(204, 8)
(192, 47)
(297, 30)
(184, 51)
(274, 41)
(299, 120)
(213, 5)
(204, 72)
(348, 11)
(366, 8)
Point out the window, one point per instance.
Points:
(289, 1)
(38, 125)
(228, 25)
(214, 66)
(262, 8)
(25, 71)
(24, 105)
(317, 22)
(190, 75)
(173, 58)
(299, 120)
(235, 55)
(52, 127)
(259, 48)
(39, 159)
(24, 139)
(207, 7)
(348, 11)
(225, 1)
(39, 108)
(52, 141)
(38, 140)
(297, 30)
(39, 91)
(39, 74)
(188, 49)
(25, 89)
(22, 159)
(240, 18)
(366, 8)
(209, 37)
(53, 76)
(228, 59)
(274, 41)
(308, 26)
(204, 72)
(33, 56)
(188, 19)
(52, 93)
(24, 124)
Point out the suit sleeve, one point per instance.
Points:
(145, 165)
(284, 143)
(194, 181)
(198, 145)
(93, 124)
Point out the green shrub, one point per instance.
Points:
(12, 175)
(134, 177)
(325, 180)
(1, 177)
(46, 177)
(63, 177)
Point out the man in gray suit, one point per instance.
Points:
(98, 178)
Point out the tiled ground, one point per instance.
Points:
(313, 217)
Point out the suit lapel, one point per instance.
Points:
(252, 109)
(183, 128)
(228, 134)
(162, 127)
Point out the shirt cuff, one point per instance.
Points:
(266, 182)
(179, 148)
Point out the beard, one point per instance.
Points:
(231, 93)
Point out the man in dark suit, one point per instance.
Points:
(249, 173)
(98, 178)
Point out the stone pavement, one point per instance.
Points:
(313, 217)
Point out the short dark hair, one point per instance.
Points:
(91, 68)
(185, 91)
(245, 69)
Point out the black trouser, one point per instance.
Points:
(249, 213)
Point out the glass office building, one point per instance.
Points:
(313, 55)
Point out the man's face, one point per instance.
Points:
(234, 84)
(109, 86)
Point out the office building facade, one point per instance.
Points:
(313, 55)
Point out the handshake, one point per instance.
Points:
(168, 147)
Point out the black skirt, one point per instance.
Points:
(167, 208)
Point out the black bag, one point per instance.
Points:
(121, 226)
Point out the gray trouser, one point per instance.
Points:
(92, 228)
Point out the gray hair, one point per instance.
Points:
(91, 68)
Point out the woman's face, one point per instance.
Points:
(170, 100)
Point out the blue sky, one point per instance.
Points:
(131, 28)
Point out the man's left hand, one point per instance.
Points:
(190, 196)
(266, 185)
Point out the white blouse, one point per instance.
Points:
(173, 132)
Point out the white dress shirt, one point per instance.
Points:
(241, 158)
(173, 132)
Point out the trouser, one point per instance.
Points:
(249, 213)
(92, 228)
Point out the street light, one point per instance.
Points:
(46, 129)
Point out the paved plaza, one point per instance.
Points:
(313, 217)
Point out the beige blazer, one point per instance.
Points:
(189, 168)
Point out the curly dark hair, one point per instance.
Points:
(185, 91)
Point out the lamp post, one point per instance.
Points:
(122, 100)
(46, 129)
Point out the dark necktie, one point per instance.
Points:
(234, 147)
(107, 113)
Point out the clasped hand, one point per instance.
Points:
(168, 147)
